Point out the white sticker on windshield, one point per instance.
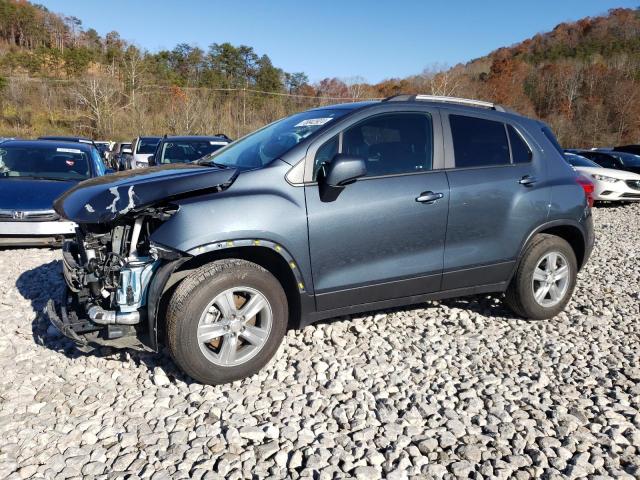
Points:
(68, 150)
(218, 143)
(314, 122)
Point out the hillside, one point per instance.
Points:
(583, 78)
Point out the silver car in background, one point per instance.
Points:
(610, 184)
(142, 148)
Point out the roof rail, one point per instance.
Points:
(443, 99)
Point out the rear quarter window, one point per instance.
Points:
(478, 142)
(520, 151)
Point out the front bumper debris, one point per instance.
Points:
(72, 323)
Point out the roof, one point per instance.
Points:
(186, 138)
(346, 106)
(85, 147)
(62, 137)
(461, 104)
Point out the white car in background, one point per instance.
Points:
(143, 148)
(610, 185)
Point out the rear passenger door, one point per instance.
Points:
(381, 237)
(498, 195)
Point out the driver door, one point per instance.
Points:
(381, 237)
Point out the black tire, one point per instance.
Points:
(194, 294)
(520, 293)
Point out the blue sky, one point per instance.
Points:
(372, 39)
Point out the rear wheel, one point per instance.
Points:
(545, 279)
(226, 320)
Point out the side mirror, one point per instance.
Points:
(151, 160)
(344, 169)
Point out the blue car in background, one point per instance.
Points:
(33, 173)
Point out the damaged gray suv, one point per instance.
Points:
(329, 212)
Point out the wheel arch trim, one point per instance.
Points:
(551, 225)
(253, 242)
(163, 279)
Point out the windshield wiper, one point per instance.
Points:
(211, 163)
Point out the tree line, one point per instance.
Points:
(56, 76)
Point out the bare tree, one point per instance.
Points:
(356, 86)
(133, 68)
(569, 84)
(99, 99)
(441, 80)
(187, 112)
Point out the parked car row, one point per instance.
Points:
(615, 172)
(148, 151)
(33, 173)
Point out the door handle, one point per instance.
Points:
(527, 180)
(429, 197)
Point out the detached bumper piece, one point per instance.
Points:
(68, 318)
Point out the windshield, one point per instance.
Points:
(262, 147)
(188, 150)
(578, 161)
(50, 163)
(147, 145)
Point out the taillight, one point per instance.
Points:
(588, 187)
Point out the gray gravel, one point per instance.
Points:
(448, 390)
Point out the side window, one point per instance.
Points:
(520, 152)
(392, 143)
(605, 161)
(478, 142)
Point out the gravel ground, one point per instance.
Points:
(455, 389)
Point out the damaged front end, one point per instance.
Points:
(108, 271)
(112, 264)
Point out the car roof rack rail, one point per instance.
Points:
(444, 99)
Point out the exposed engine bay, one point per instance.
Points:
(108, 269)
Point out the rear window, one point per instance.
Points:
(578, 161)
(478, 142)
(147, 145)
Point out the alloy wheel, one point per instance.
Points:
(550, 280)
(234, 326)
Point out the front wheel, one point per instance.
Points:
(226, 320)
(545, 279)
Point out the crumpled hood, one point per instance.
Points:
(24, 194)
(103, 199)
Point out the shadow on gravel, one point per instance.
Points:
(612, 205)
(486, 305)
(44, 282)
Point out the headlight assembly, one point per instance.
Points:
(604, 178)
